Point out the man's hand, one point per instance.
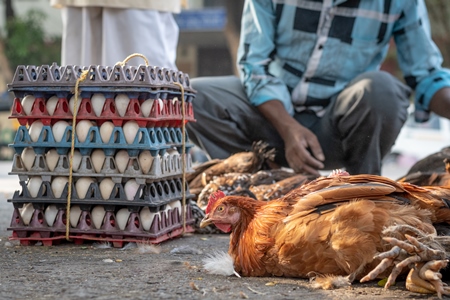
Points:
(303, 151)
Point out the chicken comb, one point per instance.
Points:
(213, 199)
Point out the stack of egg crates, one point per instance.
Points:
(127, 165)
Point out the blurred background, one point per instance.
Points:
(30, 34)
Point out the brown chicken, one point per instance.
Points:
(334, 226)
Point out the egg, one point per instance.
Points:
(122, 217)
(51, 158)
(27, 104)
(28, 155)
(33, 185)
(50, 214)
(106, 186)
(98, 101)
(51, 105)
(74, 217)
(76, 161)
(58, 184)
(82, 129)
(145, 160)
(130, 130)
(122, 101)
(122, 159)
(26, 212)
(146, 107)
(98, 159)
(72, 102)
(161, 105)
(146, 218)
(82, 186)
(131, 188)
(97, 215)
(176, 204)
(35, 130)
(106, 130)
(58, 130)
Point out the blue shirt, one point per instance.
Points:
(305, 52)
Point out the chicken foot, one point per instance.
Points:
(420, 254)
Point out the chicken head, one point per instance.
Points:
(224, 216)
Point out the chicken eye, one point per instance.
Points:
(220, 208)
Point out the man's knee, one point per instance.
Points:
(382, 91)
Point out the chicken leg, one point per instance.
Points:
(423, 255)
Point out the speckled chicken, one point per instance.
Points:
(427, 178)
(332, 226)
(242, 162)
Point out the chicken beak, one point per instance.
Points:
(205, 222)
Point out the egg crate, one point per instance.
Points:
(167, 113)
(153, 194)
(157, 140)
(162, 167)
(118, 224)
(118, 78)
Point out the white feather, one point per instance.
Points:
(220, 263)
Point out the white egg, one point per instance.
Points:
(97, 215)
(122, 101)
(130, 130)
(50, 214)
(74, 217)
(146, 107)
(76, 162)
(52, 157)
(34, 184)
(106, 130)
(72, 103)
(161, 105)
(58, 184)
(122, 159)
(58, 130)
(82, 129)
(26, 212)
(82, 186)
(146, 218)
(98, 159)
(35, 130)
(145, 160)
(176, 204)
(98, 101)
(131, 188)
(27, 104)
(122, 217)
(106, 187)
(51, 105)
(28, 155)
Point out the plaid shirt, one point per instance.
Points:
(305, 52)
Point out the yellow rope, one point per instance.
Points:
(82, 78)
(122, 63)
(183, 156)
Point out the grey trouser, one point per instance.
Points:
(358, 129)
